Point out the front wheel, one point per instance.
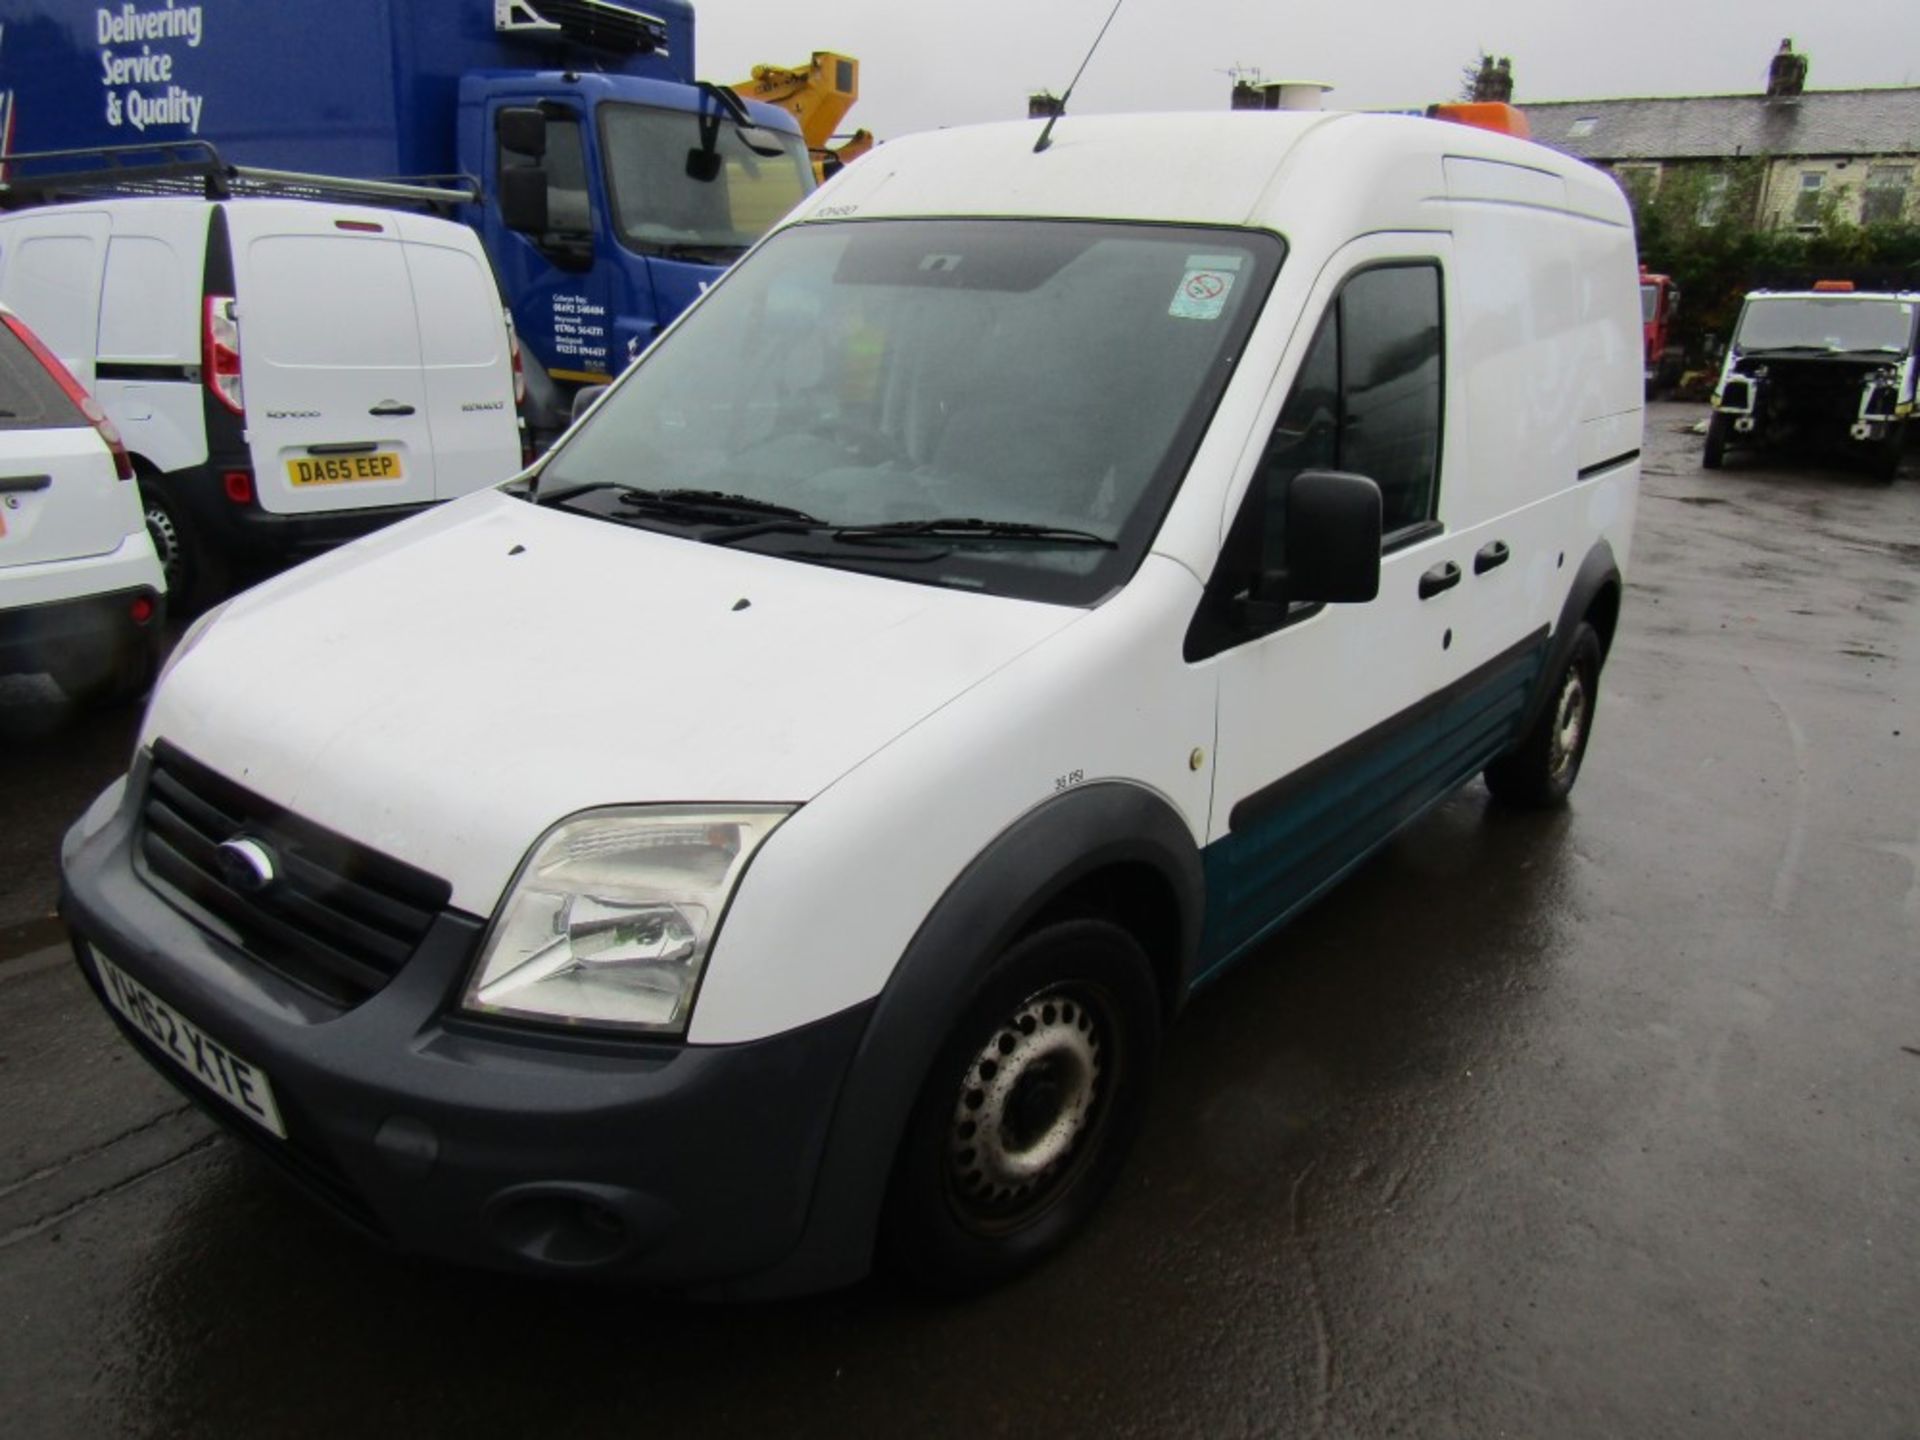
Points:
(1715, 455)
(1886, 460)
(1538, 772)
(1027, 1111)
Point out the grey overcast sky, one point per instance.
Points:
(927, 65)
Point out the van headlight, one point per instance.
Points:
(611, 917)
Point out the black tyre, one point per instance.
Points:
(1885, 464)
(1715, 454)
(1027, 1111)
(195, 577)
(1539, 771)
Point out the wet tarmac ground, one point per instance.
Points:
(1598, 1123)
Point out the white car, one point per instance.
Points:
(81, 592)
(779, 833)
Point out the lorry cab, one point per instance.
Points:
(1659, 307)
(774, 836)
(286, 373)
(617, 201)
(1829, 367)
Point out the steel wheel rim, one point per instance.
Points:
(1025, 1107)
(1569, 723)
(166, 539)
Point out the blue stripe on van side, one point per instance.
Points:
(1292, 840)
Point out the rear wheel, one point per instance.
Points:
(1538, 773)
(195, 578)
(1027, 1111)
(1715, 455)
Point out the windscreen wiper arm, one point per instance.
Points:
(681, 499)
(956, 528)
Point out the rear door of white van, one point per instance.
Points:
(50, 270)
(330, 358)
(465, 356)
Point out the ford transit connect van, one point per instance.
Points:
(287, 374)
(780, 833)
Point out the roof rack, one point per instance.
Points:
(194, 167)
(1869, 277)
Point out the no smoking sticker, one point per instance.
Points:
(1203, 290)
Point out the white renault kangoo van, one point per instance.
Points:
(287, 373)
(779, 833)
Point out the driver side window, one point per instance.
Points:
(1367, 400)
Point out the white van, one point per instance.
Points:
(780, 833)
(287, 373)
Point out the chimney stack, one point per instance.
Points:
(1495, 81)
(1787, 76)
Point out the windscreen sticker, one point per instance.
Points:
(1203, 290)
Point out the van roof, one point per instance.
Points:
(1235, 168)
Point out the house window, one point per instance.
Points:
(1886, 197)
(1806, 205)
(1582, 127)
(1713, 200)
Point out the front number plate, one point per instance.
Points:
(236, 1081)
(344, 469)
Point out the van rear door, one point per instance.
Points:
(464, 354)
(330, 358)
(50, 272)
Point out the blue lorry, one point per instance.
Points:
(612, 186)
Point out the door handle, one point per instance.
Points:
(24, 484)
(1490, 556)
(350, 447)
(391, 407)
(1443, 576)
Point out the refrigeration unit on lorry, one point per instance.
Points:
(614, 188)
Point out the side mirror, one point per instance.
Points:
(583, 399)
(703, 165)
(1332, 538)
(523, 199)
(522, 131)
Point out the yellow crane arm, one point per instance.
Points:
(818, 96)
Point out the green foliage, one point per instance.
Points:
(1713, 249)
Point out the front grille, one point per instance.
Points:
(338, 920)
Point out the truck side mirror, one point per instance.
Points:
(1332, 538)
(523, 199)
(703, 165)
(522, 131)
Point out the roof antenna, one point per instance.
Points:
(1046, 135)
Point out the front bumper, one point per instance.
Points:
(649, 1162)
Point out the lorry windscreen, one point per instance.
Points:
(1014, 375)
(662, 206)
(1837, 325)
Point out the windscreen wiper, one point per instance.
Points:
(955, 528)
(684, 499)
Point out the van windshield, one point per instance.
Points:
(754, 177)
(1836, 324)
(1004, 373)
